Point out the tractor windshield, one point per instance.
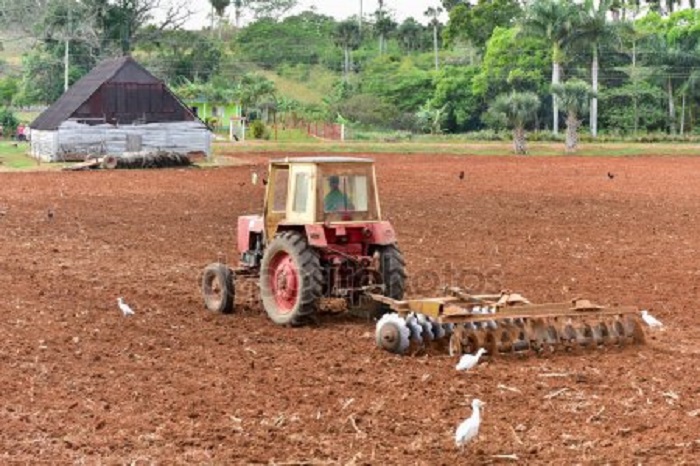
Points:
(347, 194)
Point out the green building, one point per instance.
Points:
(223, 113)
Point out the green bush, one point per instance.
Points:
(8, 121)
(258, 130)
(9, 87)
(366, 110)
(488, 135)
(376, 136)
(548, 136)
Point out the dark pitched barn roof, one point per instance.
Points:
(80, 92)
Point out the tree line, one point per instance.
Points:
(607, 67)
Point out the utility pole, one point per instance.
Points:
(211, 27)
(360, 18)
(435, 46)
(237, 5)
(380, 17)
(66, 64)
(66, 56)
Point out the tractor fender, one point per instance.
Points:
(248, 225)
(383, 233)
(316, 236)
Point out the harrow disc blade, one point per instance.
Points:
(392, 334)
(438, 330)
(449, 329)
(427, 328)
(416, 330)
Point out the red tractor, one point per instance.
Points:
(321, 235)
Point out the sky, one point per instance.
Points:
(340, 9)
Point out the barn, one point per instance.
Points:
(117, 107)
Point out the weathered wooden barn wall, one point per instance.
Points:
(43, 144)
(79, 138)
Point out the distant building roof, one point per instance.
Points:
(114, 70)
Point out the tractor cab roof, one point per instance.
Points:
(321, 159)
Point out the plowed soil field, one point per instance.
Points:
(174, 384)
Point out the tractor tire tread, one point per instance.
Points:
(392, 269)
(311, 275)
(225, 277)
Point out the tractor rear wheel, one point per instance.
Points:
(290, 279)
(218, 288)
(392, 269)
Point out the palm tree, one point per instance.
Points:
(207, 93)
(517, 110)
(409, 35)
(670, 5)
(289, 108)
(689, 87)
(347, 36)
(433, 14)
(683, 43)
(450, 4)
(190, 90)
(384, 25)
(237, 11)
(553, 21)
(359, 18)
(670, 58)
(575, 97)
(620, 8)
(594, 30)
(253, 89)
(220, 9)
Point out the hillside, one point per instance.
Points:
(12, 45)
(307, 85)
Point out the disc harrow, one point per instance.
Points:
(502, 324)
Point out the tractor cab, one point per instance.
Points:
(320, 190)
(330, 201)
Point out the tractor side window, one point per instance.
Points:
(301, 192)
(345, 193)
(281, 181)
(359, 193)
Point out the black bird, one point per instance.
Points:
(49, 214)
(611, 175)
(264, 181)
(461, 175)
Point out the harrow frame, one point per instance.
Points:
(521, 325)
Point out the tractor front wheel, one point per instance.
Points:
(290, 279)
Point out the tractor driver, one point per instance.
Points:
(336, 200)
